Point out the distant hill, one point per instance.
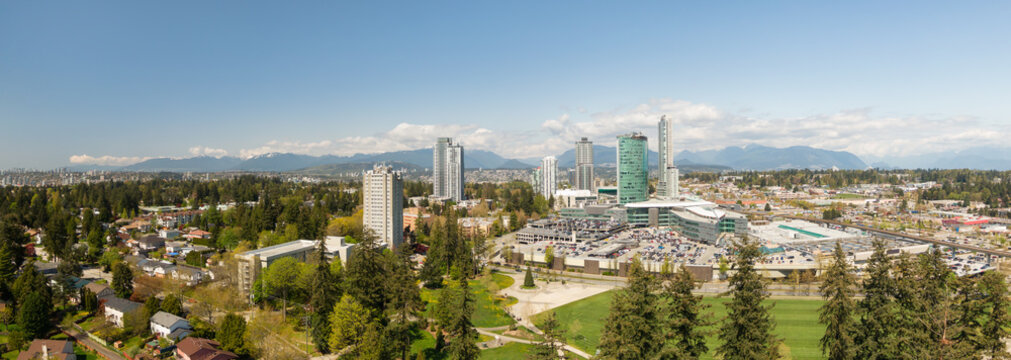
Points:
(751, 157)
(354, 168)
(981, 158)
(757, 157)
(195, 164)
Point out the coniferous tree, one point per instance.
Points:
(405, 301)
(366, 275)
(232, 334)
(172, 305)
(323, 296)
(632, 328)
(877, 310)
(994, 303)
(746, 332)
(33, 314)
(554, 338)
(122, 280)
(463, 345)
(837, 312)
(528, 279)
(684, 318)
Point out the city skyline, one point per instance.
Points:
(107, 84)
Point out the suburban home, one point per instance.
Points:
(174, 246)
(46, 268)
(163, 324)
(157, 268)
(49, 349)
(102, 291)
(190, 274)
(201, 349)
(198, 234)
(116, 309)
(151, 243)
(168, 233)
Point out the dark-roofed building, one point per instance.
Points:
(201, 349)
(151, 242)
(102, 291)
(49, 349)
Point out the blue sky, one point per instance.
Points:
(114, 82)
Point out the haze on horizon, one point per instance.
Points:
(115, 82)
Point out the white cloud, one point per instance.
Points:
(294, 147)
(206, 151)
(106, 160)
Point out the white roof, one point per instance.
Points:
(652, 203)
(573, 192)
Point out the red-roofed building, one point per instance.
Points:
(201, 349)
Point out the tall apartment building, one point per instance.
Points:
(383, 198)
(633, 168)
(667, 187)
(584, 165)
(549, 173)
(447, 169)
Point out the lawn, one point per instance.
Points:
(83, 352)
(488, 309)
(796, 323)
(510, 351)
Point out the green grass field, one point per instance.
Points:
(796, 323)
(488, 310)
(510, 351)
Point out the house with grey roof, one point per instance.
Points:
(116, 309)
(164, 324)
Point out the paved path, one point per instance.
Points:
(101, 349)
(505, 339)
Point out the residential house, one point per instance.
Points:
(163, 324)
(49, 350)
(151, 243)
(173, 247)
(190, 274)
(174, 219)
(201, 349)
(168, 233)
(116, 309)
(198, 234)
(102, 291)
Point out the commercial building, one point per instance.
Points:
(633, 168)
(549, 176)
(383, 199)
(584, 165)
(667, 187)
(572, 198)
(697, 220)
(447, 169)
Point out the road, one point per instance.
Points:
(569, 348)
(102, 350)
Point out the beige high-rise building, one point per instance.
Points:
(584, 165)
(383, 198)
(447, 169)
(667, 187)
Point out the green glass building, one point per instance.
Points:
(633, 168)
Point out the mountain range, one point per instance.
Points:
(981, 158)
(751, 157)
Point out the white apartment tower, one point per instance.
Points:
(667, 187)
(549, 173)
(447, 169)
(584, 165)
(383, 197)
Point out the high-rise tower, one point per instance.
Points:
(584, 165)
(633, 168)
(667, 187)
(383, 200)
(549, 172)
(447, 169)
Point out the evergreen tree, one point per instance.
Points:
(837, 312)
(122, 280)
(33, 314)
(633, 329)
(683, 318)
(232, 334)
(994, 316)
(405, 301)
(366, 275)
(554, 337)
(463, 346)
(877, 310)
(172, 305)
(151, 306)
(323, 296)
(528, 279)
(746, 332)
